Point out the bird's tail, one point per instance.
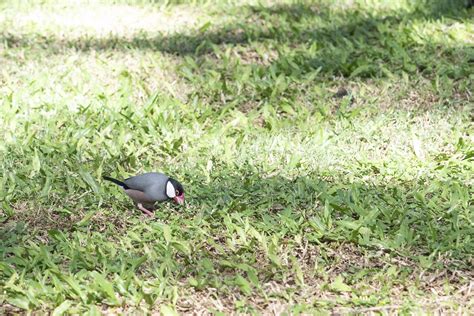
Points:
(117, 182)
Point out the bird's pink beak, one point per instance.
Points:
(179, 199)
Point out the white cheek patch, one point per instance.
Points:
(170, 191)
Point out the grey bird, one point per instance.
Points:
(148, 188)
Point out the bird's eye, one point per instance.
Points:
(177, 192)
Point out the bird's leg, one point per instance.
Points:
(144, 210)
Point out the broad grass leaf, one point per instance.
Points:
(167, 233)
(62, 308)
(339, 286)
(107, 288)
(86, 218)
(36, 164)
(167, 310)
(87, 177)
(20, 301)
(243, 284)
(74, 286)
(181, 246)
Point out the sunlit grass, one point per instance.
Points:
(446, 33)
(100, 20)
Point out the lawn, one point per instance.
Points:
(326, 149)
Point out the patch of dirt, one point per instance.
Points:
(342, 259)
(250, 56)
(44, 219)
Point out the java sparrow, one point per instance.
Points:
(148, 188)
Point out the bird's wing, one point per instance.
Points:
(153, 184)
(146, 180)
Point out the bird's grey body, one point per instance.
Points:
(140, 197)
(148, 188)
(151, 187)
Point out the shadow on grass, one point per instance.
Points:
(241, 224)
(347, 43)
(402, 217)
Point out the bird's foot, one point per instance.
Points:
(144, 210)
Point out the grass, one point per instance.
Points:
(326, 148)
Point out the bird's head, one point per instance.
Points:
(175, 191)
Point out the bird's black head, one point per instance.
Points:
(175, 191)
